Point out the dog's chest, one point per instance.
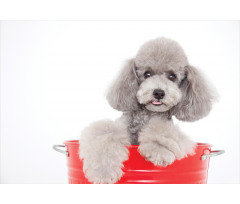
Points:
(136, 121)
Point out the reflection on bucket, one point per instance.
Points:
(190, 170)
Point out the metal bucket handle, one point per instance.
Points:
(212, 154)
(55, 147)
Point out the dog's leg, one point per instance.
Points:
(161, 142)
(103, 148)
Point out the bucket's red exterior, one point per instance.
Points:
(190, 170)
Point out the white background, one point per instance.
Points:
(54, 76)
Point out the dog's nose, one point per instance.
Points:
(158, 94)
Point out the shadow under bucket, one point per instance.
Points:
(190, 170)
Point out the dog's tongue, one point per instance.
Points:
(156, 102)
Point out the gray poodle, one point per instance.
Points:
(154, 86)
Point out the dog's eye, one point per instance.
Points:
(147, 74)
(172, 77)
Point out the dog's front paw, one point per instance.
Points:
(157, 154)
(103, 174)
(186, 148)
(105, 166)
(103, 148)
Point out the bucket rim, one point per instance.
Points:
(76, 142)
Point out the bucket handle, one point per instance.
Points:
(212, 154)
(55, 147)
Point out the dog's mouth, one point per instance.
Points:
(157, 103)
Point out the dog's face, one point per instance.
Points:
(159, 68)
(159, 92)
(161, 79)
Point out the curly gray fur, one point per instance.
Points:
(147, 120)
(137, 119)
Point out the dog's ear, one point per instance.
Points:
(122, 93)
(197, 96)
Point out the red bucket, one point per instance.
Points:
(190, 170)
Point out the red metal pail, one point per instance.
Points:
(190, 170)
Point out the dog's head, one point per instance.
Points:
(161, 79)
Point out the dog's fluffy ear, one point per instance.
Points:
(197, 98)
(122, 93)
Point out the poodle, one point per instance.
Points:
(156, 85)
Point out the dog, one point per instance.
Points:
(156, 85)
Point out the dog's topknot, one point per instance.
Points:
(161, 52)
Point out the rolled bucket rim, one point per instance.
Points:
(76, 142)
